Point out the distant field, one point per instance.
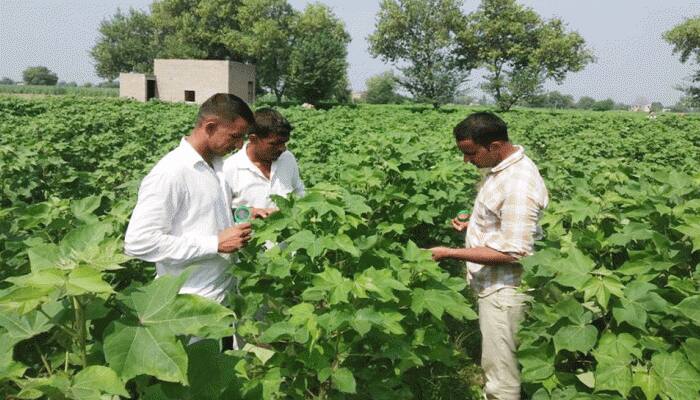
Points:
(60, 90)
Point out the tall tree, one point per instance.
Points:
(201, 29)
(318, 62)
(266, 26)
(519, 50)
(39, 76)
(418, 37)
(685, 39)
(127, 43)
(381, 89)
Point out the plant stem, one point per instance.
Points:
(43, 359)
(64, 328)
(82, 331)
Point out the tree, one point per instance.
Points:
(418, 37)
(519, 49)
(127, 43)
(200, 29)
(585, 103)
(685, 39)
(552, 99)
(318, 62)
(6, 81)
(266, 27)
(39, 76)
(657, 106)
(604, 105)
(381, 89)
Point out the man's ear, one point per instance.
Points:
(210, 125)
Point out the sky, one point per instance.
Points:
(633, 62)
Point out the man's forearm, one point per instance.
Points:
(481, 255)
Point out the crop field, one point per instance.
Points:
(352, 307)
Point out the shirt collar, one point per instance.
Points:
(510, 160)
(191, 157)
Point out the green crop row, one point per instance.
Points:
(352, 308)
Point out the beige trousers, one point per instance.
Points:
(500, 314)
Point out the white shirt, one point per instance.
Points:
(251, 188)
(182, 206)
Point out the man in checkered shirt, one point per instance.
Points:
(502, 228)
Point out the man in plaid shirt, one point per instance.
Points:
(502, 229)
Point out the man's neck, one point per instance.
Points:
(200, 147)
(506, 151)
(250, 152)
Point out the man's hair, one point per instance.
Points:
(269, 121)
(227, 107)
(482, 128)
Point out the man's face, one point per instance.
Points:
(478, 155)
(225, 136)
(270, 148)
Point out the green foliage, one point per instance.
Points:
(336, 298)
(59, 89)
(519, 49)
(318, 61)
(552, 99)
(266, 27)
(418, 37)
(685, 39)
(127, 43)
(381, 89)
(603, 105)
(39, 76)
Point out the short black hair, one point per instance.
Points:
(269, 121)
(482, 128)
(225, 106)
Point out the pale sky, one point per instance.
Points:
(632, 59)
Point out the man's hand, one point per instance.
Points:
(234, 238)
(262, 212)
(460, 226)
(440, 253)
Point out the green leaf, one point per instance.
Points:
(134, 350)
(343, 380)
(690, 308)
(278, 330)
(84, 280)
(330, 281)
(613, 375)
(679, 380)
(602, 287)
(261, 353)
(575, 338)
(537, 362)
(648, 382)
(380, 282)
(631, 232)
(573, 271)
(346, 244)
(300, 240)
(94, 380)
(21, 327)
(83, 209)
(692, 231)
(692, 351)
(44, 256)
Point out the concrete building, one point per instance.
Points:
(190, 81)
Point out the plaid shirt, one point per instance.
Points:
(511, 198)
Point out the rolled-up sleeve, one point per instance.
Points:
(149, 234)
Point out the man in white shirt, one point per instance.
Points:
(502, 229)
(264, 166)
(183, 213)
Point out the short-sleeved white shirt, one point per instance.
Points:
(251, 188)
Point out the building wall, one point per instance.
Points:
(132, 85)
(242, 81)
(204, 77)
